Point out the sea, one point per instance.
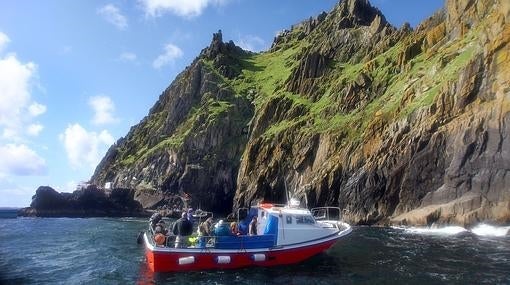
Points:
(105, 251)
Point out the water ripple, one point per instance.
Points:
(104, 251)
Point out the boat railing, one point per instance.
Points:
(327, 213)
(215, 242)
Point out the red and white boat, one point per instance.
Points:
(287, 234)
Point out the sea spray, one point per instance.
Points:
(447, 230)
(478, 230)
(488, 230)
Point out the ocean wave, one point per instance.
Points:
(479, 230)
(449, 230)
(488, 230)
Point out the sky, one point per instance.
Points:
(76, 75)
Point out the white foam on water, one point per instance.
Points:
(490, 231)
(447, 230)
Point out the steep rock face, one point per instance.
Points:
(412, 131)
(392, 125)
(190, 143)
(354, 28)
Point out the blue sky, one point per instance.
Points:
(76, 75)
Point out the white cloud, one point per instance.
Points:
(104, 108)
(252, 43)
(4, 40)
(35, 109)
(182, 8)
(16, 105)
(84, 148)
(127, 56)
(34, 129)
(20, 160)
(170, 54)
(113, 15)
(10, 134)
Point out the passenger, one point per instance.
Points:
(160, 228)
(253, 227)
(205, 232)
(182, 228)
(154, 219)
(190, 215)
(204, 229)
(221, 229)
(234, 229)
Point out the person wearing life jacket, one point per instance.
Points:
(182, 229)
(160, 228)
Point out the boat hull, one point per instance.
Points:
(207, 259)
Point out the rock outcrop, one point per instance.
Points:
(191, 142)
(87, 202)
(392, 125)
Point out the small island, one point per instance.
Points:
(89, 201)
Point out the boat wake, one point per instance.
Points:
(479, 230)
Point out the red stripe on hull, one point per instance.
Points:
(169, 261)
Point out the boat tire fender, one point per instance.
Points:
(223, 259)
(186, 260)
(258, 257)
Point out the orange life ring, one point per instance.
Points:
(266, 205)
(159, 239)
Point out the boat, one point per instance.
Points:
(287, 234)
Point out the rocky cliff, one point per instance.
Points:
(191, 142)
(393, 125)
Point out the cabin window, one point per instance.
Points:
(289, 219)
(304, 220)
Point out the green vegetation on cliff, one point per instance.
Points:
(404, 87)
(344, 108)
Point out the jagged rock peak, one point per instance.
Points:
(360, 12)
(217, 47)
